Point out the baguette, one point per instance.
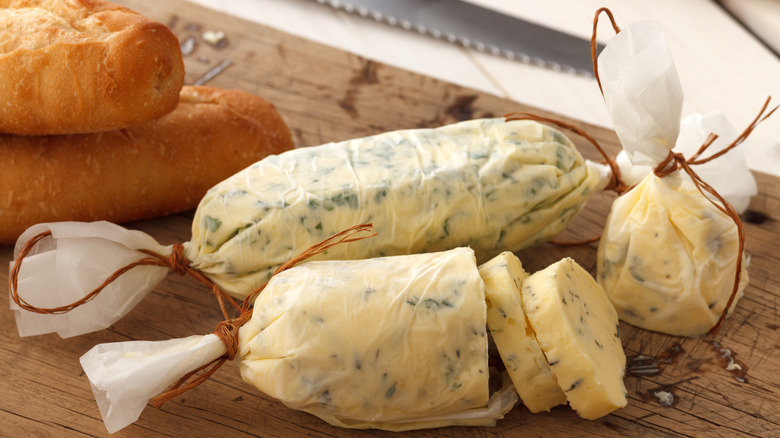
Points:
(149, 170)
(83, 66)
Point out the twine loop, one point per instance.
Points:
(227, 330)
(670, 164)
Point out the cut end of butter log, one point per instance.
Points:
(577, 328)
(514, 337)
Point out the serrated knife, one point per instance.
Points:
(482, 29)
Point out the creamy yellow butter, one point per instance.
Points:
(577, 328)
(514, 337)
(487, 184)
(394, 343)
(667, 257)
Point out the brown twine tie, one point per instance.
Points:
(226, 330)
(676, 161)
(176, 262)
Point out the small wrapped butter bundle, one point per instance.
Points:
(491, 184)
(671, 257)
(394, 343)
(668, 257)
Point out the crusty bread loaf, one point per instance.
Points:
(79, 66)
(152, 169)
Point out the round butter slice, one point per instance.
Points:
(577, 328)
(514, 337)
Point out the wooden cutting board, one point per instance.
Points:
(328, 95)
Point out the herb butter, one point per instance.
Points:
(394, 343)
(667, 257)
(514, 337)
(578, 331)
(488, 184)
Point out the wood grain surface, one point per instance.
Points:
(328, 95)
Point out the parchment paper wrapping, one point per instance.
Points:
(126, 375)
(77, 258)
(491, 184)
(667, 258)
(642, 92)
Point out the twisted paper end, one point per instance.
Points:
(176, 262)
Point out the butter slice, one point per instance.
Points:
(394, 343)
(514, 337)
(577, 328)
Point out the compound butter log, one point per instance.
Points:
(83, 66)
(156, 168)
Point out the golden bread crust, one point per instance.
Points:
(152, 169)
(80, 66)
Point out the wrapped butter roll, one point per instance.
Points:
(393, 343)
(667, 257)
(490, 184)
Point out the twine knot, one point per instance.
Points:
(177, 262)
(227, 331)
(673, 162)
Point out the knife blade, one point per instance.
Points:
(479, 28)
